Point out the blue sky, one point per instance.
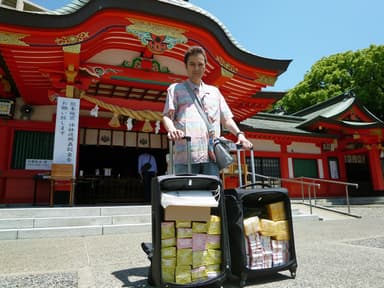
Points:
(304, 31)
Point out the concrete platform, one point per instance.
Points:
(59, 222)
(32, 222)
(339, 253)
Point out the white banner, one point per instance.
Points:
(66, 131)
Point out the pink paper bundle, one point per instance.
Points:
(280, 249)
(182, 243)
(213, 241)
(199, 241)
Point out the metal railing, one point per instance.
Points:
(311, 184)
(346, 185)
(273, 180)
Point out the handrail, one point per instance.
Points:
(310, 185)
(334, 182)
(285, 179)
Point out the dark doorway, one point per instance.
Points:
(357, 169)
(122, 185)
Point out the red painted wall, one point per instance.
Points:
(17, 186)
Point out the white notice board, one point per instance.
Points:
(66, 131)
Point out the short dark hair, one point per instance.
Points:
(194, 50)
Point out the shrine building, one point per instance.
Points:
(115, 60)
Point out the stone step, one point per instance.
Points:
(74, 231)
(46, 222)
(336, 201)
(38, 212)
(32, 222)
(39, 222)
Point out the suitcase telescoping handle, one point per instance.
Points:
(189, 160)
(238, 150)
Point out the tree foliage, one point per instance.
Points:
(361, 71)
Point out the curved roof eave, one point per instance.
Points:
(78, 11)
(346, 124)
(286, 132)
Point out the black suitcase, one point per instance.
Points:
(259, 246)
(186, 183)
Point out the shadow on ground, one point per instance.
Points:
(269, 278)
(134, 277)
(137, 277)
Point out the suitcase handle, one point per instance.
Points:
(238, 148)
(263, 185)
(189, 159)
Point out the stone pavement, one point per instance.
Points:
(333, 253)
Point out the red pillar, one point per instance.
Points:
(4, 157)
(375, 167)
(284, 161)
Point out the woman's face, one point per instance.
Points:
(196, 68)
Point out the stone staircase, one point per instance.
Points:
(31, 222)
(49, 222)
(352, 201)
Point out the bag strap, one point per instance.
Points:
(199, 107)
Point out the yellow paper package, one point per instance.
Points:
(168, 242)
(199, 258)
(183, 274)
(184, 256)
(168, 252)
(251, 225)
(213, 256)
(199, 273)
(199, 227)
(276, 211)
(183, 224)
(282, 236)
(267, 227)
(214, 225)
(281, 230)
(168, 274)
(168, 262)
(281, 226)
(167, 230)
(184, 232)
(213, 270)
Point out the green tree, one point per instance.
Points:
(361, 71)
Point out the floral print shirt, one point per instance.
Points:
(188, 119)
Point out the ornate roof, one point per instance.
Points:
(126, 53)
(338, 117)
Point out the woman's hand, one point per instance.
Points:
(244, 142)
(175, 134)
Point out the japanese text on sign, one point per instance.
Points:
(66, 131)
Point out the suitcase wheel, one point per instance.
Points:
(293, 273)
(243, 279)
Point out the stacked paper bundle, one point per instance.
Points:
(280, 252)
(191, 250)
(259, 251)
(267, 240)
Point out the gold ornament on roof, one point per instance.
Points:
(226, 65)
(75, 49)
(156, 37)
(9, 38)
(265, 79)
(72, 39)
